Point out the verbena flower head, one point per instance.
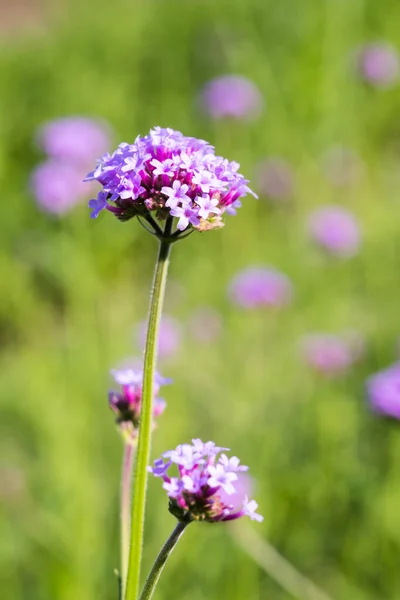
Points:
(336, 229)
(204, 478)
(76, 140)
(169, 174)
(231, 96)
(383, 390)
(275, 179)
(256, 287)
(127, 403)
(379, 64)
(57, 187)
(332, 354)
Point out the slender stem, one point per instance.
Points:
(126, 485)
(161, 559)
(157, 229)
(144, 443)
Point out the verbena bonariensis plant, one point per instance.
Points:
(174, 185)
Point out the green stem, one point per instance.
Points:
(144, 443)
(161, 559)
(126, 489)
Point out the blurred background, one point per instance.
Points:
(275, 326)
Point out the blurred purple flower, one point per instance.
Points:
(205, 324)
(332, 354)
(383, 390)
(57, 186)
(260, 286)
(169, 339)
(275, 179)
(342, 166)
(231, 96)
(77, 140)
(127, 403)
(336, 229)
(378, 63)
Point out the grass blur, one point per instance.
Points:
(72, 291)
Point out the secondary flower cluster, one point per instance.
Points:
(206, 478)
(169, 174)
(127, 403)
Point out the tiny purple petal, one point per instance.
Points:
(98, 204)
(250, 508)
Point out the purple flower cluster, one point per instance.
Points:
(72, 144)
(127, 403)
(384, 391)
(169, 174)
(206, 477)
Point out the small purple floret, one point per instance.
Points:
(205, 480)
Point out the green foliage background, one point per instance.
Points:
(72, 290)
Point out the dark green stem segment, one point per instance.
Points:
(144, 442)
(154, 576)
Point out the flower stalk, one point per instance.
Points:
(154, 575)
(145, 426)
(126, 490)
